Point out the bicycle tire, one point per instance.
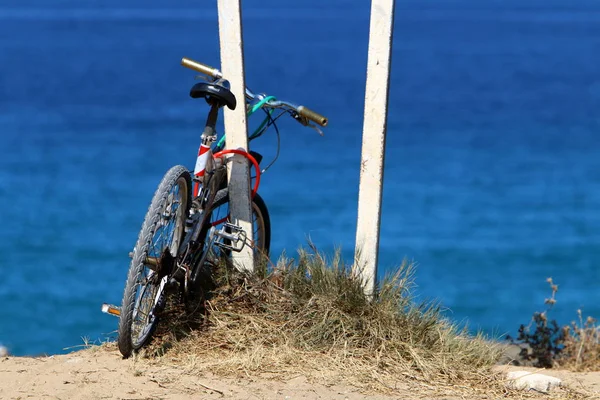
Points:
(142, 280)
(260, 207)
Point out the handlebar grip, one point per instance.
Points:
(313, 116)
(202, 68)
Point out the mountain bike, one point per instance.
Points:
(187, 229)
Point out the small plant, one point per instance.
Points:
(543, 339)
(547, 344)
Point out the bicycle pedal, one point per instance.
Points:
(230, 237)
(111, 310)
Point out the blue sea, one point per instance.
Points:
(492, 169)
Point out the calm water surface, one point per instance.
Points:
(492, 179)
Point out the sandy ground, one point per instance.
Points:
(100, 373)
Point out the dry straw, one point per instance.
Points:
(311, 317)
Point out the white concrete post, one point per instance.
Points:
(232, 66)
(373, 143)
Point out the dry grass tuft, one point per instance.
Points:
(311, 317)
(581, 350)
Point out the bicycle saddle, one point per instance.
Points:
(211, 91)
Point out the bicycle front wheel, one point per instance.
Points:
(153, 259)
(211, 254)
(261, 226)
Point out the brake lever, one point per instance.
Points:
(303, 121)
(306, 122)
(316, 128)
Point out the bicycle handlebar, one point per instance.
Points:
(313, 116)
(214, 73)
(202, 68)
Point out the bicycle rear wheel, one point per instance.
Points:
(153, 259)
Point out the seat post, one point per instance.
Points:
(211, 121)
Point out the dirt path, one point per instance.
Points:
(101, 373)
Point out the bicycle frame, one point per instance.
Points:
(204, 153)
(205, 158)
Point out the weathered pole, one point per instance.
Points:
(232, 66)
(373, 143)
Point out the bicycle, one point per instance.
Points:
(187, 230)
